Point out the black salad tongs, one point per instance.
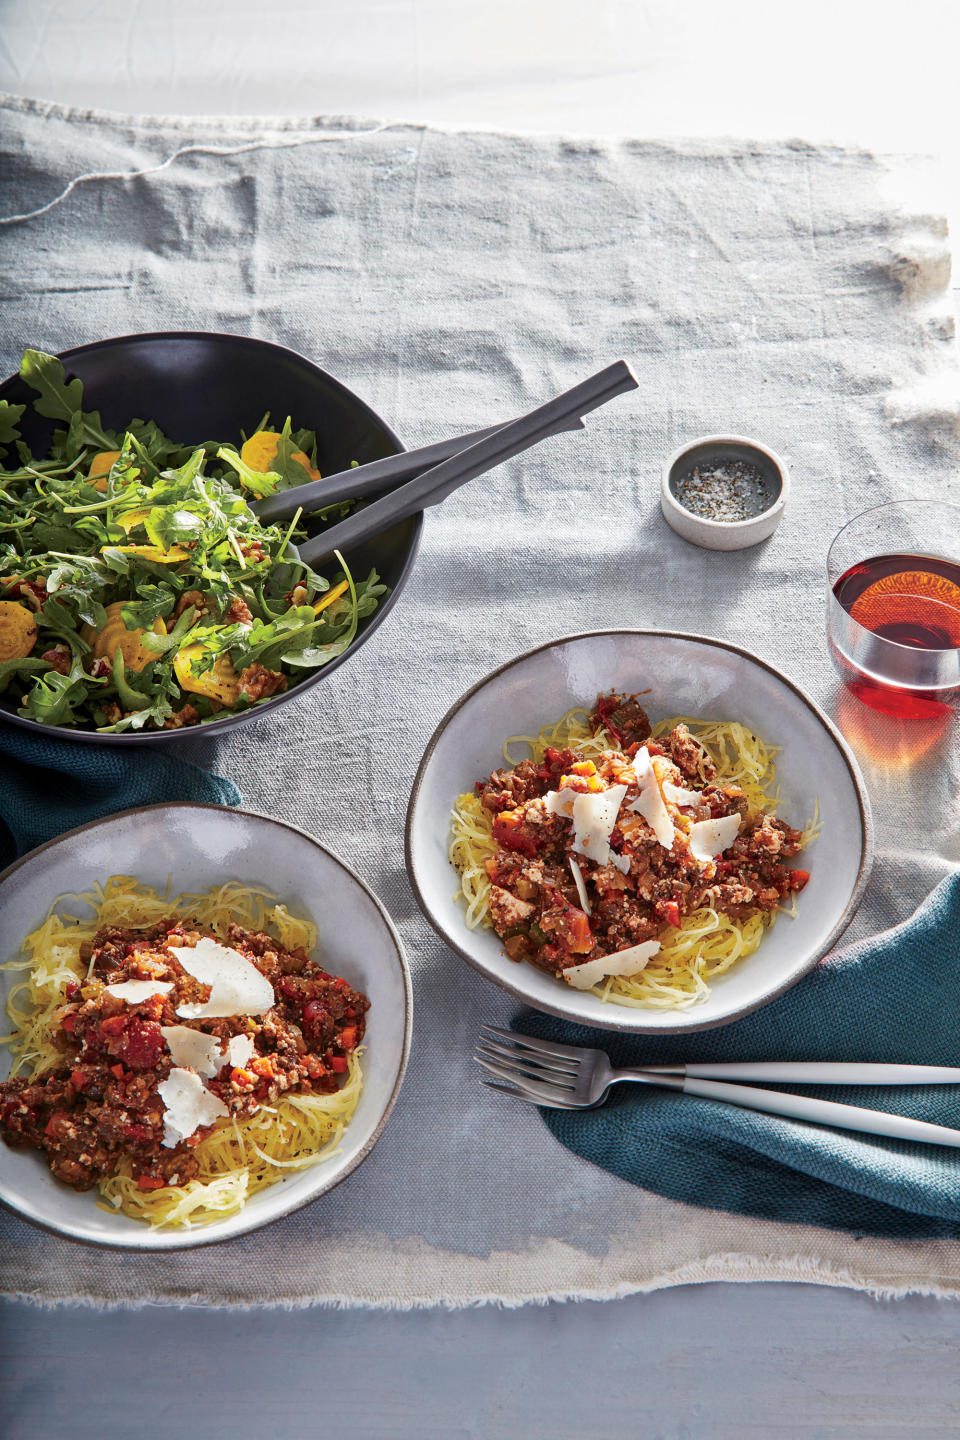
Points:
(438, 469)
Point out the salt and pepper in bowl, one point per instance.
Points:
(724, 492)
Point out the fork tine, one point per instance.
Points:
(522, 1095)
(519, 1070)
(543, 1047)
(533, 1087)
(496, 1051)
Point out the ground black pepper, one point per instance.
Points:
(730, 491)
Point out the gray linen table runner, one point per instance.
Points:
(454, 279)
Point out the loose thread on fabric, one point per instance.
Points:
(225, 150)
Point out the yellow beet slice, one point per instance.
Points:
(131, 519)
(330, 596)
(18, 630)
(100, 467)
(258, 452)
(217, 683)
(115, 635)
(154, 552)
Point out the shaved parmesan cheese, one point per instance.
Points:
(136, 991)
(581, 888)
(622, 862)
(679, 796)
(650, 804)
(560, 802)
(624, 962)
(187, 1105)
(240, 1050)
(192, 1050)
(237, 987)
(594, 816)
(709, 838)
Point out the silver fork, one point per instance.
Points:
(570, 1077)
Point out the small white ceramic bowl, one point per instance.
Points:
(724, 534)
(684, 674)
(197, 846)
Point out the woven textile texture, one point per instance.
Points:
(894, 997)
(452, 279)
(49, 785)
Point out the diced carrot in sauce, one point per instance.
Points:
(579, 938)
(668, 910)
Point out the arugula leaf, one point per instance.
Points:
(169, 524)
(10, 668)
(154, 602)
(283, 463)
(60, 399)
(45, 374)
(130, 698)
(369, 594)
(161, 644)
(51, 535)
(9, 420)
(259, 482)
(54, 698)
(153, 444)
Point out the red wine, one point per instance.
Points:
(914, 602)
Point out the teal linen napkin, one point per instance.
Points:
(893, 998)
(49, 785)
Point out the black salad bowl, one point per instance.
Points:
(199, 386)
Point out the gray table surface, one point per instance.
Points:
(737, 1361)
(729, 1362)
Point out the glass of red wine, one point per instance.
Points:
(893, 607)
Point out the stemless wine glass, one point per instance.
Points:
(893, 607)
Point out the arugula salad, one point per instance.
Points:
(138, 590)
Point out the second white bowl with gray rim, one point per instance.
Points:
(678, 675)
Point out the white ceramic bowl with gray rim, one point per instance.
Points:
(684, 674)
(711, 450)
(197, 846)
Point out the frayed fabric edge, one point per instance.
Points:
(729, 1268)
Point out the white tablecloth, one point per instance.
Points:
(452, 279)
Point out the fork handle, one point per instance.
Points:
(821, 1112)
(816, 1072)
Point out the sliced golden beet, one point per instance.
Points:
(100, 467)
(18, 630)
(217, 683)
(131, 519)
(330, 596)
(115, 635)
(156, 553)
(258, 452)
